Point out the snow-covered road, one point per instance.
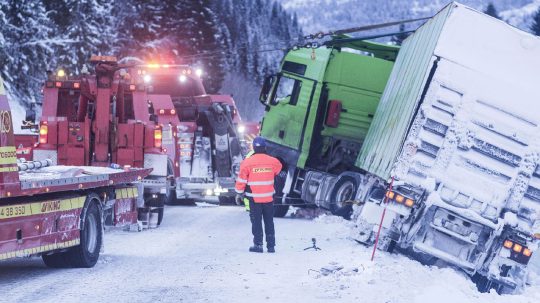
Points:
(199, 254)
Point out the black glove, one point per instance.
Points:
(239, 199)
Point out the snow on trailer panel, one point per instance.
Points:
(476, 123)
(400, 98)
(477, 131)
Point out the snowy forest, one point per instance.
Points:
(236, 42)
(218, 35)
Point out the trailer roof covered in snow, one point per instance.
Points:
(462, 36)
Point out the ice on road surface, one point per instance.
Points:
(200, 254)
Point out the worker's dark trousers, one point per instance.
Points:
(257, 213)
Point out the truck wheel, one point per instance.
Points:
(344, 190)
(86, 253)
(171, 193)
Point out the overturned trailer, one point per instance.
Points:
(457, 130)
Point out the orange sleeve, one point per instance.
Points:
(277, 167)
(241, 180)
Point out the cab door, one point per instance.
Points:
(287, 110)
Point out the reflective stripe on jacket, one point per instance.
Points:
(258, 172)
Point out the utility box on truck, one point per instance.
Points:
(457, 130)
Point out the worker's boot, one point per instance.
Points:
(271, 249)
(256, 248)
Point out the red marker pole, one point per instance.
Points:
(382, 219)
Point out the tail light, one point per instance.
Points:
(157, 137)
(76, 85)
(409, 202)
(58, 84)
(518, 252)
(400, 199)
(43, 132)
(173, 112)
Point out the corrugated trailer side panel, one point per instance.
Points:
(401, 98)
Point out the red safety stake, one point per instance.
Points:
(382, 219)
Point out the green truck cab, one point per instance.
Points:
(319, 108)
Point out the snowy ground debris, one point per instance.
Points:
(200, 255)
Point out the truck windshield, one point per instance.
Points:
(287, 88)
(169, 85)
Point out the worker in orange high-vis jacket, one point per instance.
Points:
(256, 182)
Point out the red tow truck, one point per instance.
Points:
(103, 119)
(146, 115)
(59, 212)
(202, 134)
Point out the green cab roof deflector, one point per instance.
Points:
(379, 50)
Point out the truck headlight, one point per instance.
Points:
(209, 192)
(241, 128)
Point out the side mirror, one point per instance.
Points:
(265, 90)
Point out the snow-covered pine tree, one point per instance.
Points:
(492, 11)
(259, 31)
(535, 26)
(86, 26)
(28, 42)
(199, 36)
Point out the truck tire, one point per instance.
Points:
(344, 190)
(170, 196)
(86, 254)
(280, 209)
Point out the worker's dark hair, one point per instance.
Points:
(259, 149)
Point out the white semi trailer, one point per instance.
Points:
(457, 130)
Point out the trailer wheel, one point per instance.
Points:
(344, 190)
(86, 254)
